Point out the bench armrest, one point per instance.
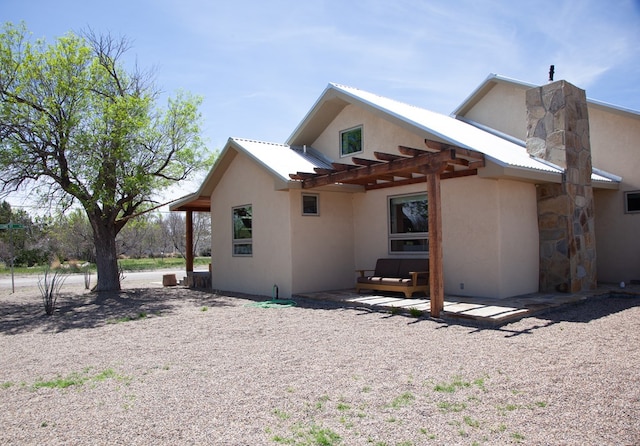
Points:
(362, 271)
(415, 274)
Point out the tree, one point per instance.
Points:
(77, 127)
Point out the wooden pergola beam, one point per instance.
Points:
(415, 163)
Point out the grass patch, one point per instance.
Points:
(446, 406)
(403, 400)
(137, 317)
(451, 387)
(310, 435)
(7, 384)
(77, 379)
(414, 312)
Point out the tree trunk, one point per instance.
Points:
(104, 236)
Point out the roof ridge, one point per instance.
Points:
(235, 138)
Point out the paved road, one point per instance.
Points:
(140, 278)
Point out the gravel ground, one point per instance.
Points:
(175, 366)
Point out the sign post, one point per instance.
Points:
(10, 226)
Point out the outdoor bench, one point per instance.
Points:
(407, 276)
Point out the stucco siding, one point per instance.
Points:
(518, 239)
(378, 135)
(245, 183)
(322, 245)
(470, 237)
(490, 237)
(503, 108)
(615, 142)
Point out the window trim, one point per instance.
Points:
(311, 214)
(406, 235)
(236, 242)
(342, 132)
(626, 201)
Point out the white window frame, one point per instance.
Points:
(626, 201)
(422, 248)
(317, 199)
(237, 242)
(343, 132)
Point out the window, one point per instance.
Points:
(408, 224)
(310, 204)
(242, 230)
(351, 141)
(632, 201)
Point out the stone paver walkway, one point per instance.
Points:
(482, 310)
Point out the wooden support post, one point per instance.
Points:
(436, 278)
(189, 241)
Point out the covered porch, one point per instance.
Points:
(189, 205)
(430, 165)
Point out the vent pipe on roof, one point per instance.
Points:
(304, 148)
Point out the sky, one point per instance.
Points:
(260, 65)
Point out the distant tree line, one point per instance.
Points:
(69, 237)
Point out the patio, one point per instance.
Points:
(478, 310)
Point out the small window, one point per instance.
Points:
(351, 141)
(632, 202)
(310, 204)
(242, 231)
(408, 224)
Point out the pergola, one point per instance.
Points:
(439, 161)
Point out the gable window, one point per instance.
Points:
(408, 224)
(351, 141)
(242, 231)
(310, 204)
(632, 202)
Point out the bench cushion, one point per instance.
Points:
(387, 268)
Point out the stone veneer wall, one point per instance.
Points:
(558, 132)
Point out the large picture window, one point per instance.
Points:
(242, 231)
(351, 141)
(408, 224)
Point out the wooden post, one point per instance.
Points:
(189, 241)
(436, 277)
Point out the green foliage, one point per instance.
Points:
(79, 128)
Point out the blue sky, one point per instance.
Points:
(260, 65)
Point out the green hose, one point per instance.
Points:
(273, 303)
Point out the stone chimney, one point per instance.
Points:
(558, 132)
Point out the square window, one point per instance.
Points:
(242, 231)
(310, 204)
(632, 202)
(351, 141)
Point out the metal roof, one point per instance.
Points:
(453, 131)
(281, 159)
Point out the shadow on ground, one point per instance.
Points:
(93, 310)
(582, 312)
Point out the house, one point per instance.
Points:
(513, 207)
